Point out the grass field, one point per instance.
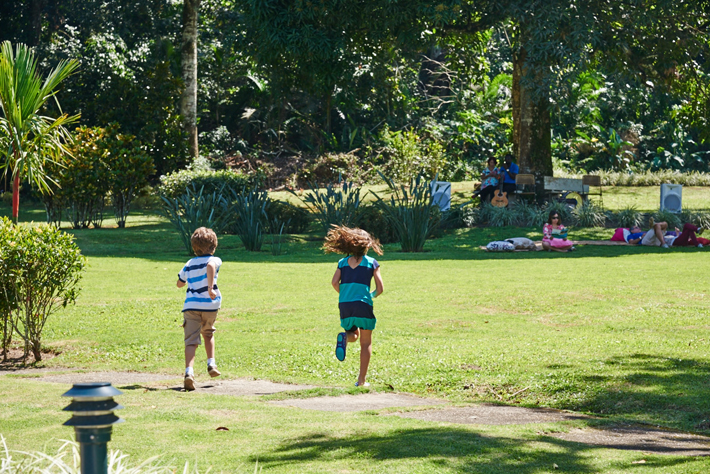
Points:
(617, 332)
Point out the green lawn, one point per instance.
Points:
(618, 332)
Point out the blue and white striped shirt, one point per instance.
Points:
(194, 273)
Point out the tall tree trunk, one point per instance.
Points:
(35, 34)
(188, 102)
(531, 122)
(16, 198)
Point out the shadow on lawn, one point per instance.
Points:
(450, 448)
(659, 390)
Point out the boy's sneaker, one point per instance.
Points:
(366, 384)
(665, 246)
(189, 383)
(212, 370)
(700, 246)
(341, 345)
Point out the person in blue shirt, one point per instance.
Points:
(508, 171)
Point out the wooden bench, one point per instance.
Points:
(590, 180)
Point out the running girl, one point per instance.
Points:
(352, 281)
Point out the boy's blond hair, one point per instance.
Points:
(347, 241)
(204, 241)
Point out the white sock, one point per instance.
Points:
(189, 371)
(211, 362)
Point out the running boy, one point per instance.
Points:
(352, 281)
(202, 301)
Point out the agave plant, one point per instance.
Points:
(529, 214)
(196, 209)
(409, 211)
(671, 218)
(333, 205)
(627, 217)
(589, 215)
(250, 212)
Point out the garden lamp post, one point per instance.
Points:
(92, 409)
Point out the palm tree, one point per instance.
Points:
(28, 140)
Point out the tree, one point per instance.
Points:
(29, 139)
(188, 102)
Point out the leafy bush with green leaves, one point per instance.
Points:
(589, 214)
(196, 208)
(335, 167)
(409, 211)
(372, 219)
(129, 166)
(627, 217)
(296, 219)
(175, 184)
(333, 205)
(406, 155)
(85, 179)
(41, 270)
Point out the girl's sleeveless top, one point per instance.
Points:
(355, 282)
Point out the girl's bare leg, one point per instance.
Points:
(353, 335)
(365, 354)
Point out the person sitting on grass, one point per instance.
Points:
(202, 301)
(352, 280)
(554, 234)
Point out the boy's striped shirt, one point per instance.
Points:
(194, 273)
(355, 282)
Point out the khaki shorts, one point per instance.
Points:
(196, 323)
(651, 239)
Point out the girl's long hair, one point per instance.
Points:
(552, 213)
(347, 241)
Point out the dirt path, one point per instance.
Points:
(636, 438)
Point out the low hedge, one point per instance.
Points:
(175, 184)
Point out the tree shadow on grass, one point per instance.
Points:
(653, 389)
(449, 448)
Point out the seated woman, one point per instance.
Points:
(489, 182)
(554, 234)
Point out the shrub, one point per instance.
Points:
(372, 219)
(697, 217)
(250, 215)
(8, 302)
(589, 215)
(409, 211)
(406, 156)
(332, 205)
(529, 214)
(627, 217)
(176, 184)
(42, 268)
(296, 219)
(194, 209)
(129, 166)
(671, 218)
(497, 216)
(646, 178)
(85, 180)
(335, 167)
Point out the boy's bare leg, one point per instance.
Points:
(209, 346)
(190, 355)
(365, 354)
(353, 335)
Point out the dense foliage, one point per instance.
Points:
(401, 86)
